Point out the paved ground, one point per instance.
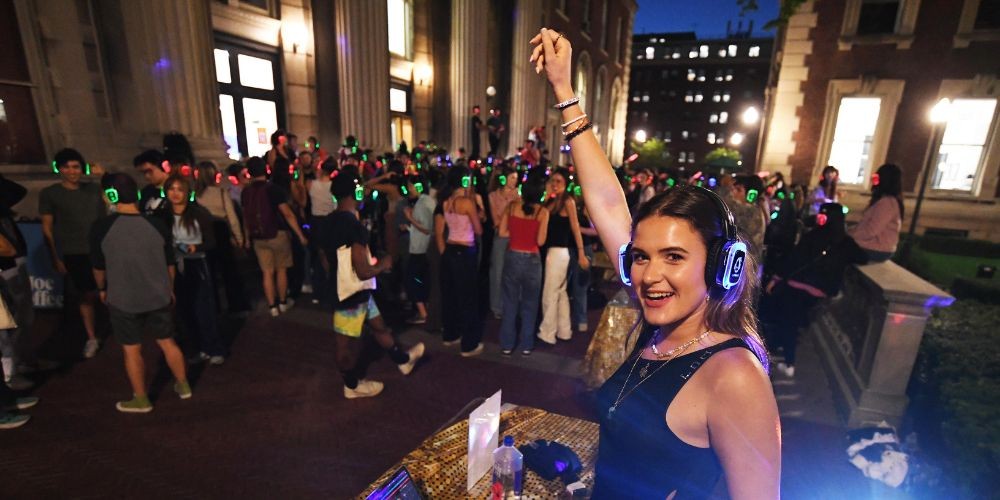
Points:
(273, 423)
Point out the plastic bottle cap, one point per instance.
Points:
(508, 440)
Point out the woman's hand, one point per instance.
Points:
(553, 53)
(584, 261)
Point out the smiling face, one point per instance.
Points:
(556, 185)
(668, 271)
(71, 171)
(177, 193)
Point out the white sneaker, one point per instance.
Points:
(416, 352)
(307, 289)
(365, 389)
(216, 360)
(90, 348)
(275, 311)
(475, 352)
(288, 304)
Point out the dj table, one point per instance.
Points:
(439, 465)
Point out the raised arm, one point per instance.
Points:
(602, 194)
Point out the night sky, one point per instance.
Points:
(706, 17)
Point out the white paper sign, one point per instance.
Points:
(484, 435)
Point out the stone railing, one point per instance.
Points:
(868, 338)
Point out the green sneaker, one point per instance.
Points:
(183, 389)
(138, 404)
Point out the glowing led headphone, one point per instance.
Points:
(191, 196)
(752, 195)
(404, 190)
(112, 195)
(726, 255)
(466, 180)
(86, 168)
(420, 187)
(359, 191)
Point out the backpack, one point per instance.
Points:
(260, 216)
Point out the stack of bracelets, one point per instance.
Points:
(585, 124)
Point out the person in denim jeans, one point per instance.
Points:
(579, 280)
(503, 193)
(525, 223)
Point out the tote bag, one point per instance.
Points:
(348, 282)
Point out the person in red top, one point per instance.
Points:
(526, 223)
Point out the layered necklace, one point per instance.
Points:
(644, 373)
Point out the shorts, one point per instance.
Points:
(351, 322)
(79, 273)
(275, 253)
(132, 328)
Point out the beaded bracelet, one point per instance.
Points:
(567, 103)
(572, 135)
(574, 120)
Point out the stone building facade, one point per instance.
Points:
(110, 77)
(856, 83)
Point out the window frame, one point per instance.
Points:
(967, 32)
(408, 28)
(902, 36)
(239, 92)
(891, 93)
(985, 185)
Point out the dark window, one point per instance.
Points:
(260, 4)
(878, 17)
(988, 16)
(585, 17)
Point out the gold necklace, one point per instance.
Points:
(642, 375)
(678, 348)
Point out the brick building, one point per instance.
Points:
(693, 93)
(856, 83)
(111, 77)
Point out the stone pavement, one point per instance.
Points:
(273, 423)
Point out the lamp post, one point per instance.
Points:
(939, 118)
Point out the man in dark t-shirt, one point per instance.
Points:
(133, 261)
(341, 235)
(68, 209)
(475, 131)
(156, 169)
(496, 128)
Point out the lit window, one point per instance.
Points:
(732, 51)
(693, 54)
(229, 129)
(682, 157)
(645, 97)
(714, 118)
(645, 116)
(698, 97)
(961, 153)
(400, 17)
(691, 75)
(703, 51)
(222, 72)
(635, 98)
(754, 51)
(729, 75)
(852, 138)
(711, 137)
(691, 157)
(260, 118)
(666, 136)
(716, 97)
(397, 100)
(701, 75)
(721, 139)
(689, 97)
(639, 57)
(723, 117)
(650, 51)
(677, 54)
(255, 72)
(722, 52)
(685, 134)
(652, 40)
(718, 75)
(725, 97)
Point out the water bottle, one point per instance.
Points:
(508, 471)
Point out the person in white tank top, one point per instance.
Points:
(323, 202)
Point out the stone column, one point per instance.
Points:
(527, 95)
(363, 71)
(468, 68)
(173, 67)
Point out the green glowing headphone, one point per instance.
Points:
(112, 195)
(86, 168)
(420, 187)
(359, 192)
(191, 196)
(466, 180)
(404, 190)
(752, 195)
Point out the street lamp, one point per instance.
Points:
(640, 136)
(938, 117)
(736, 139)
(751, 116)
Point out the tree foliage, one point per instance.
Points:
(723, 152)
(787, 9)
(653, 155)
